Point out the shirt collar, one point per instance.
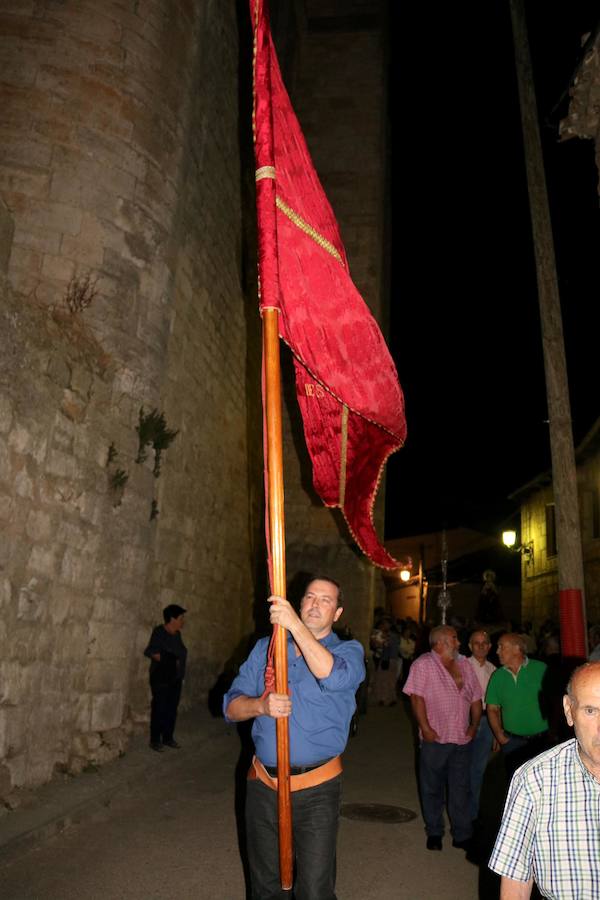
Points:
(582, 765)
(438, 658)
(522, 666)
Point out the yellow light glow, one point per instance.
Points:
(405, 575)
(509, 538)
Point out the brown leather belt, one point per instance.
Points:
(308, 779)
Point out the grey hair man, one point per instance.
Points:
(445, 696)
(550, 829)
(513, 702)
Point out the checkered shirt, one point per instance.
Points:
(551, 826)
(448, 709)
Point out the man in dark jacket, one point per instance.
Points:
(167, 654)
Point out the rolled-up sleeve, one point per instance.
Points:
(348, 668)
(417, 678)
(513, 851)
(249, 682)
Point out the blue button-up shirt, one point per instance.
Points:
(321, 707)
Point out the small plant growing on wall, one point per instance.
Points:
(111, 455)
(152, 431)
(81, 291)
(117, 481)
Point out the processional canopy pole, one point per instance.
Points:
(262, 122)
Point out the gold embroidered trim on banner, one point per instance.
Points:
(308, 229)
(264, 172)
(343, 455)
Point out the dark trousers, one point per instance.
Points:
(481, 747)
(441, 767)
(520, 750)
(163, 711)
(315, 814)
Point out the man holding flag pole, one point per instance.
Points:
(353, 416)
(324, 674)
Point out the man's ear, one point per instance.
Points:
(338, 613)
(567, 709)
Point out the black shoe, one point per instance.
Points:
(155, 745)
(434, 842)
(463, 845)
(172, 744)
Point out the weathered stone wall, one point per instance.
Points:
(582, 119)
(118, 158)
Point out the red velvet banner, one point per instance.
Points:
(346, 383)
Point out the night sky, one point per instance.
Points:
(465, 322)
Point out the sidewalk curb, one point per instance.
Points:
(60, 804)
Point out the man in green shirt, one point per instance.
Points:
(514, 701)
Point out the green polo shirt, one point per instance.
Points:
(519, 697)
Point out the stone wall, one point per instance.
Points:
(120, 189)
(582, 119)
(119, 160)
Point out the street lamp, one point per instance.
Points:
(509, 539)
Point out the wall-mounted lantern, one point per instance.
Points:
(509, 539)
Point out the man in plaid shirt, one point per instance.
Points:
(445, 696)
(550, 831)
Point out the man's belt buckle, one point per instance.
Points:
(296, 770)
(311, 776)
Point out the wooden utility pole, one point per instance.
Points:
(564, 473)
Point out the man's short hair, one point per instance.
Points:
(172, 611)
(437, 633)
(517, 639)
(319, 577)
(480, 631)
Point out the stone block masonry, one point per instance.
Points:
(120, 164)
(119, 160)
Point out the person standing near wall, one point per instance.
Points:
(167, 654)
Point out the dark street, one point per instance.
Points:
(163, 826)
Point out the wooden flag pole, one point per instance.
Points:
(270, 318)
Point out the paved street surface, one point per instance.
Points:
(163, 826)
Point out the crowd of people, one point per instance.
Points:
(480, 688)
(399, 641)
(473, 688)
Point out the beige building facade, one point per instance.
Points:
(538, 536)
